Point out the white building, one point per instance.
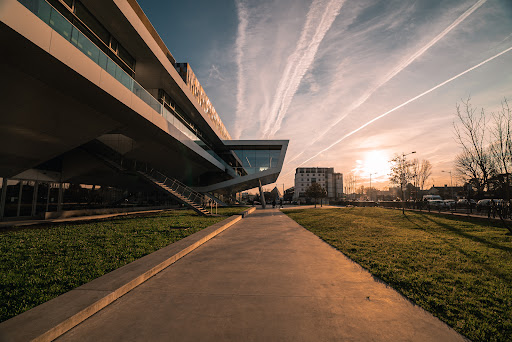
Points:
(331, 181)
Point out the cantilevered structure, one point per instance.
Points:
(91, 95)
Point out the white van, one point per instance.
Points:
(431, 197)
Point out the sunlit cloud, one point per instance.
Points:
(318, 21)
(239, 50)
(404, 63)
(404, 104)
(328, 80)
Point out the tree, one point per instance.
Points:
(315, 191)
(469, 171)
(401, 174)
(472, 136)
(501, 145)
(424, 173)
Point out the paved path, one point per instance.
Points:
(264, 279)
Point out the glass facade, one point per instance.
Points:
(61, 25)
(251, 160)
(257, 160)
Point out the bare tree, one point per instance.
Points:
(421, 172)
(425, 171)
(468, 169)
(501, 145)
(401, 174)
(471, 134)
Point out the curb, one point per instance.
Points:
(50, 320)
(247, 212)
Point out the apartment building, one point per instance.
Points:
(331, 181)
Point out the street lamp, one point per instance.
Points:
(451, 184)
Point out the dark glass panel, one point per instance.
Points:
(92, 23)
(113, 44)
(126, 57)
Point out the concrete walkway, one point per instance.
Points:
(264, 279)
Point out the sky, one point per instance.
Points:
(351, 83)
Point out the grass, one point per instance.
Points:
(42, 262)
(457, 268)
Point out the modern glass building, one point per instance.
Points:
(91, 95)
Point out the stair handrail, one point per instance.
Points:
(118, 161)
(192, 193)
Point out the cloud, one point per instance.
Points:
(374, 56)
(318, 21)
(403, 63)
(406, 103)
(214, 73)
(239, 50)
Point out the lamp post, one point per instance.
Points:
(451, 184)
(402, 179)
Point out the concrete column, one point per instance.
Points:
(48, 197)
(59, 200)
(34, 199)
(20, 193)
(262, 196)
(2, 198)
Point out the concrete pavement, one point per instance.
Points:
(264, 279)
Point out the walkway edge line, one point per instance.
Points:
(51, 319)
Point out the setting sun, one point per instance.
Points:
(376, 163)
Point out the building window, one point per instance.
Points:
(87, 23)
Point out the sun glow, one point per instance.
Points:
(375, 163)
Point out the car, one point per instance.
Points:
(449, 204)
(484, 204)
(431, 197)
(464, 203)
(437, 204)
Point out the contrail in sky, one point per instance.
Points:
(239, 44)
(401, 105)
(397, 69)
(318, 21)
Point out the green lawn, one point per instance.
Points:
(458, 269)
(42, 262)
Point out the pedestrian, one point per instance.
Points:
(274, 203)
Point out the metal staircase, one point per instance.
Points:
(178, 190)
(175, 188)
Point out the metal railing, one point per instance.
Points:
(177, 186)
(117, 160)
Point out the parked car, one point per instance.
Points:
(449, 204)
(436, 204)
(431, 197)
(484, 204)
(465, 202)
